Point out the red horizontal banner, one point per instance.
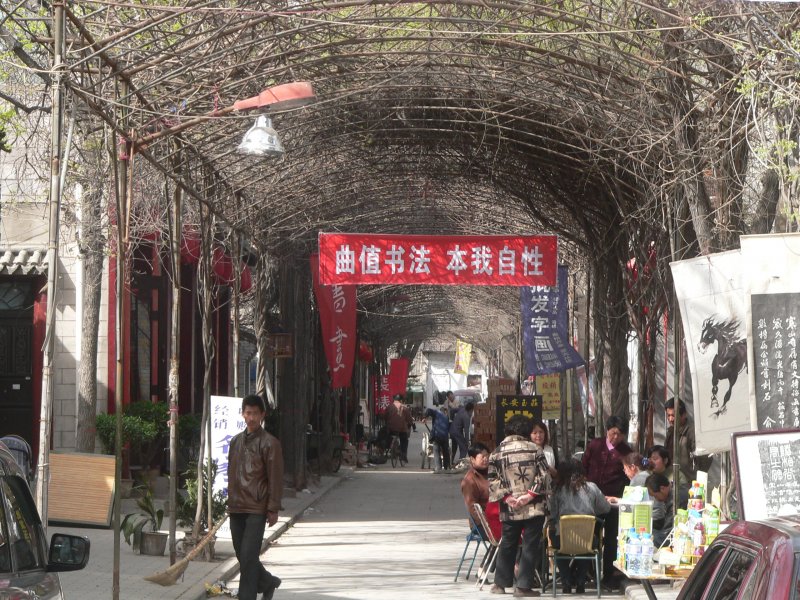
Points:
(355, 258)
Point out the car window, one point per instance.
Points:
(731, 576)
(694, 588)
(5, 549)
(22, 522)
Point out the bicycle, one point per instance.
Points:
(394, 452)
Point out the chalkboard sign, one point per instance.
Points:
(508, 406)
(776, 318)
(769, 463)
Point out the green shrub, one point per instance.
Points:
(135, 431)
(186, 506)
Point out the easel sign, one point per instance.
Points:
(768, 464)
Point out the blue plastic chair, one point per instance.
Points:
(474, 535)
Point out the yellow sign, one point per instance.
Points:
(463, 357)
(549, 387)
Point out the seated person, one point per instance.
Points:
(475, 488)
(574, 495)
(635, 467)
(660, 463)
(660, 489)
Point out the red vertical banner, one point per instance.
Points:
(337, 314)
(398, 376)
(382, 396)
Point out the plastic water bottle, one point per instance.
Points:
(633, 554)
(646, 558)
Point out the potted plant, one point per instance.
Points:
(141, 529)
(186, 509)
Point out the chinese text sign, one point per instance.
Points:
(437, 260)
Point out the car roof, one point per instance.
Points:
(766, 531)
(8, 465)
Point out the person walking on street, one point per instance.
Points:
(399, 421)
(440, 432)
(459, 428)
(255, 488)
(519, 481)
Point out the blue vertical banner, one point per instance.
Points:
(545, 340)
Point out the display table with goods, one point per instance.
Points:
(693, 529)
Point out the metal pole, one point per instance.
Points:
(122, 240)
(237, 279)
(174, 369)
(54, 204)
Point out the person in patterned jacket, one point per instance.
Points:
(519, 481)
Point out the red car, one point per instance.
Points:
(750, 560)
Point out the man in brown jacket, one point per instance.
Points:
(398, 422)
(255, 487)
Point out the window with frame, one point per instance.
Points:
(693, 590)
(22, 522)
(732, 576)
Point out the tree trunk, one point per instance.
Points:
(92, 245)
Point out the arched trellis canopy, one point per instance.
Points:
(624, 126)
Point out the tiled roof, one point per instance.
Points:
(23, 262)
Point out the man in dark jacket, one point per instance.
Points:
(440, 431)
(255, 487)
(459, 428)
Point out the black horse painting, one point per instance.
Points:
(730, 360)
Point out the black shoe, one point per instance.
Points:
(565, 589)
(270, 591)
(580, 589)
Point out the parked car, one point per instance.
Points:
(28, 568)
(750, 560)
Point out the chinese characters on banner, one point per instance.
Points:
(463, 357)
(437, 260)
(226, 422)
(544, 328)
(777, 377)
(337, 313)
(381, 394)
(780, 471)
(710, 293)
(508, 406)
(549, 388)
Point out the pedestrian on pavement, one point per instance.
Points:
(459, 428)
(519, 481)
(255, 488)
(399, 421)
(440, 432)
(602, 463)
(574, 496)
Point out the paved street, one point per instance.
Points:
(382, 534)
(375, 533)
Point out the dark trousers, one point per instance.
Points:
(247, 531)
(610, 544)
(444, 450)
(531, 530)
(575, 574)
(461, 442)
(403, 435)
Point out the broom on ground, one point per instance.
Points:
(171, 575)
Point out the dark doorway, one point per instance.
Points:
(16, 358)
